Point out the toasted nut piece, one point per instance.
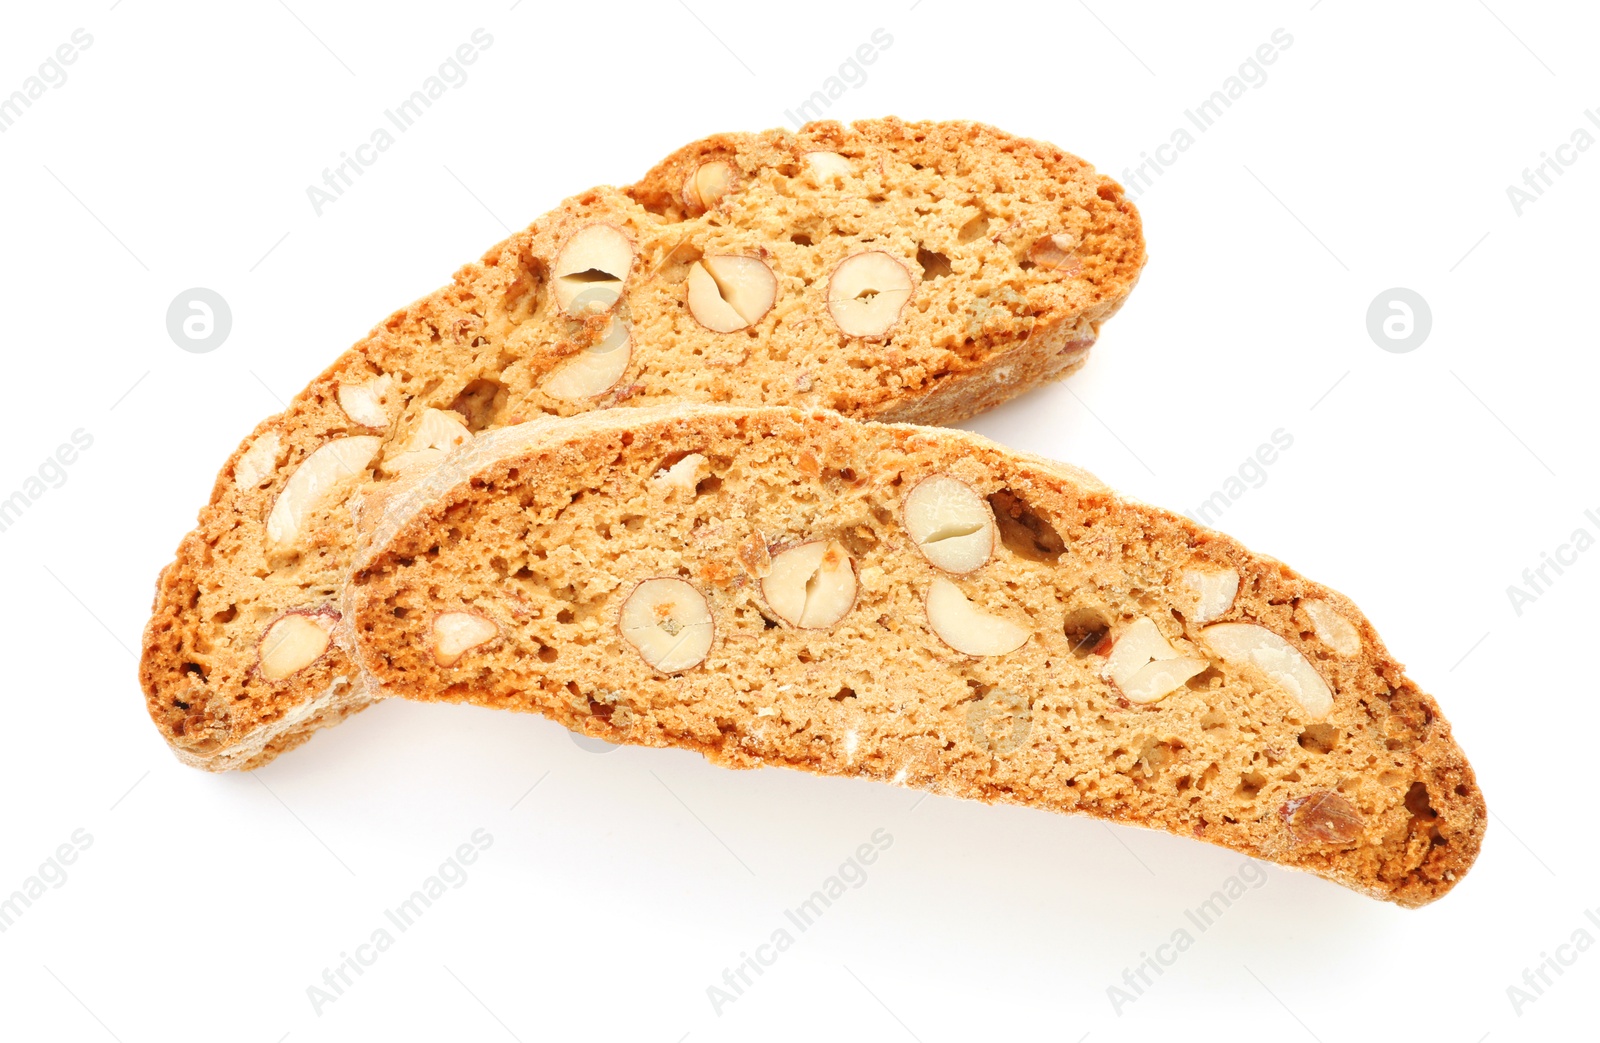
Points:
(1323, 817)
(669, 623)
(1145, 667)
(755, 557)
(682, 478)
(950, 523)
(595, 370)
(456, 633)
(812, 585)
(591, 270)
(728, 293)
(707, 185)
(363, 403)
(1056, 252)
(438, 432)
(332, 465)
(1139, 644)
(293, 642)
(1332, 629)
(827, 166)
(962, 626)
(255, 463)
(1160, 678)
(1248, 644)
(867, 292)
(1214, 592)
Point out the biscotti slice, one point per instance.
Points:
(918, 606)
(906, 271)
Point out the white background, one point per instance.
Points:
(1377, 154)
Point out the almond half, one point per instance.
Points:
(1246, 644)
(334, 464)
(595, 370)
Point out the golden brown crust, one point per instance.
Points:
(544, 530)
(961, 205)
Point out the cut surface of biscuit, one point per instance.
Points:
(896, 280)
(783, 610)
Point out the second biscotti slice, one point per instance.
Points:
(916, 271)
(917, 606)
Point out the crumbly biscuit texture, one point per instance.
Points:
(788, 604)
(886, 269)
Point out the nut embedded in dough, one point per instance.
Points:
(293, 642)
(867, 293)
(728, 293)
(591, 270)
(706, 186)
(340, 461)
(669, 623)
(1323, 817)
(1057, 253)
(364, 403)
(682, 480)
(812, 585)
(1332, 629)
(966, 628)
(1214, 591)
(827, 167)
(950, 523)
(457, 633)
(436, 433)
(1145, 667)
(595, 370)
(1283, 664)
(255, 463)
